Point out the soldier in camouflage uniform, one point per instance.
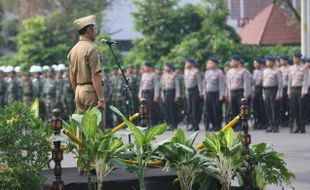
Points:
(12, 86)
(49, 93)
(26, 89)
(2, 90)
(107, 88)
(59, 85)
(67, 96)
(131, 77)
(19, 78)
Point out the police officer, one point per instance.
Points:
(214, 87)
(306, 91)
(272, 93)
(297, 88)
(170, 94)
(194, 92)
(85, 65)
(181, 104)
(284, 107)
(258, 102)
(238, 84)
(149, 89)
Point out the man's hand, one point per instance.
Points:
(221, 98)
(278, 98)
(155, 99)
(101, 104)
(176, 99)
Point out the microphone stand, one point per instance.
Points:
(127, 86)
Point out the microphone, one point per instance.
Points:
(109, 42)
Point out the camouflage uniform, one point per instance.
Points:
(107, 88)
(12, 91)
(3, 85)
(67, 97)
(26, 90)
(49, 96)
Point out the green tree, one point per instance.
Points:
(163, 24)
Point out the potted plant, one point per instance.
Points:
(224, 153)
(268, 167)
(144, 149)
(99, 149)
(180, 156)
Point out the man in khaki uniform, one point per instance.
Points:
(85, 66)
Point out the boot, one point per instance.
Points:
(276, 129)
(303, 129)
(269, 129)
(296, 130)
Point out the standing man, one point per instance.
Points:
(26, 88)
(258, 102)
(67, 97)
(194, 91)
(149, 89)
(284, 107)
(238, 81)
(272, 93)
(214, 89)
(12, 86)
(297, 89)
(2, 90)
(85, 65)
(49, 93)
(171, 94)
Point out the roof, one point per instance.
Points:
(271, 26)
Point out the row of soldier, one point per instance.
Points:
(50, 85)
(278, 92)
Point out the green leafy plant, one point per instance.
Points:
(24, 148)
(99, 150)
(180, 156)
(144, 148)
(268, 167)
(224, 153)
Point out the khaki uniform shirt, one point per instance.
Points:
(84, 61)
(273, 78)
(214, 81)
(237, 79)
(285, 72)
(298, 77)
(192, 78)
(170, 81)
(149, 81)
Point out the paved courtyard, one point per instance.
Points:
(296, 148)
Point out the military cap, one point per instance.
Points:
(38, 69)
(46, 68)
(278, 58)
(61, 67)
(284, 57)
(17, 69)
(170, 65)
(9, 69)
(235, 58)
(304, 59)
(214, 60)
(297, 54)
(2, 68)
(190, 60)
(270, 58)
(84, 21)
(242, 61)
(260, 60)
(308, 60)
(148, 64)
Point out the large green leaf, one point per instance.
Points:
(229, 136)
(89, 125)
(190, 141)
(98, 113)
(155, 131)
(139, 137)
(180, 136)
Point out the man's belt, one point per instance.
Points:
(85, 83)
(270, 88)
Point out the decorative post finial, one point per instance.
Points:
(57, 153)
(143, 113)
(244, 114)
